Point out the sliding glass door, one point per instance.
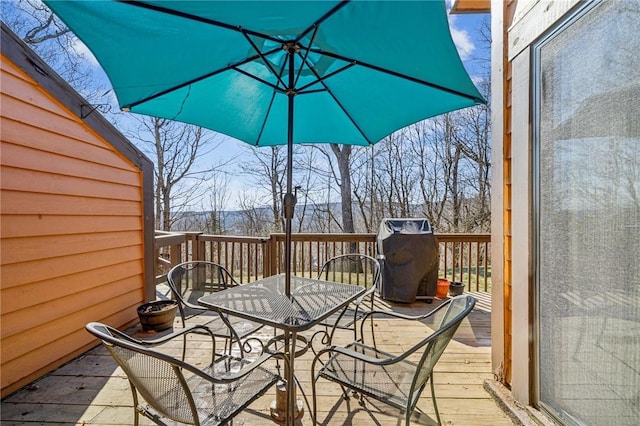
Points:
(587, 215)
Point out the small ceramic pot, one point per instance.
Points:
(157, 315)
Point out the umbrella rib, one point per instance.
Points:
(273, 96)
(264, 59)
(321, 81)
(306, 55)
(162, 9)
(353, 121)
(265, 82)
(264, 122)
(400, 75)
(324, 77)
(194, 80)
(322, 19)
(268, 111)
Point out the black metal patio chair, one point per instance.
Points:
(189, 281)
(396, 380)
(356, 269)
(177, 391)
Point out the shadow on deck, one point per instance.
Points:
(92, 390)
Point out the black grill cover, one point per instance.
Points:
(409, 251)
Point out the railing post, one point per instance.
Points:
(270, 254)
(196, 251)
(200, 248)
(175, 254)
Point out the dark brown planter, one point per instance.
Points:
(456, 288)
(157, 315)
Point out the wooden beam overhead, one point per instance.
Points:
(471, 6)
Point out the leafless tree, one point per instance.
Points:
(335, 173)
(254, 221)
(431, 181)
(363, 180)
(50, 38)
(175, 147)
(472, 136)
(343, 157)
(308, 187)
(324, 217)
(396, 166)
(267, 170)
(215, 200)
(439, 166)
(442, 189)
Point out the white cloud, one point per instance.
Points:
(462, 39)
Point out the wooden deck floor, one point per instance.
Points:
(92, 390)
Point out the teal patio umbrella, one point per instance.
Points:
(278, 72)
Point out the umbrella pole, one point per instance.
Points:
(289, 204)
(289, 201)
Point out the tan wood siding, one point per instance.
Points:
(103, 282)
(72, 231)
(471, 6)
(509, 10)
(25, 225)
(26, 157)
(41, 270)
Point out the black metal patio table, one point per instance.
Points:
(264, 301)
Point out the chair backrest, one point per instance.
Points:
(156, 376)
(354, 268)
(191, 280)
(456, 309)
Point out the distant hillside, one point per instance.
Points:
(238, 222)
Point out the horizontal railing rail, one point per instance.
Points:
(462, 257)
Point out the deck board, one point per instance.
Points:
(92, 390)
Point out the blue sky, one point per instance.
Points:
(465, 33)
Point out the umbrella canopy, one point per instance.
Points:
(362, 69)
(278, 72)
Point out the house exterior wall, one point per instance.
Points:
(74, 230)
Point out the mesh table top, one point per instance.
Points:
(265, 301)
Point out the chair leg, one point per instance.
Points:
(373, 334)
(184, 338)
(304, 395)
(136, 416)
(433, 398)
(184, 346)
(314, 401)
(229, 342)
(333, 331)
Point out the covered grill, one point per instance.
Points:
(409, 252)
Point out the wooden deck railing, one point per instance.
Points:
(463, 257)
